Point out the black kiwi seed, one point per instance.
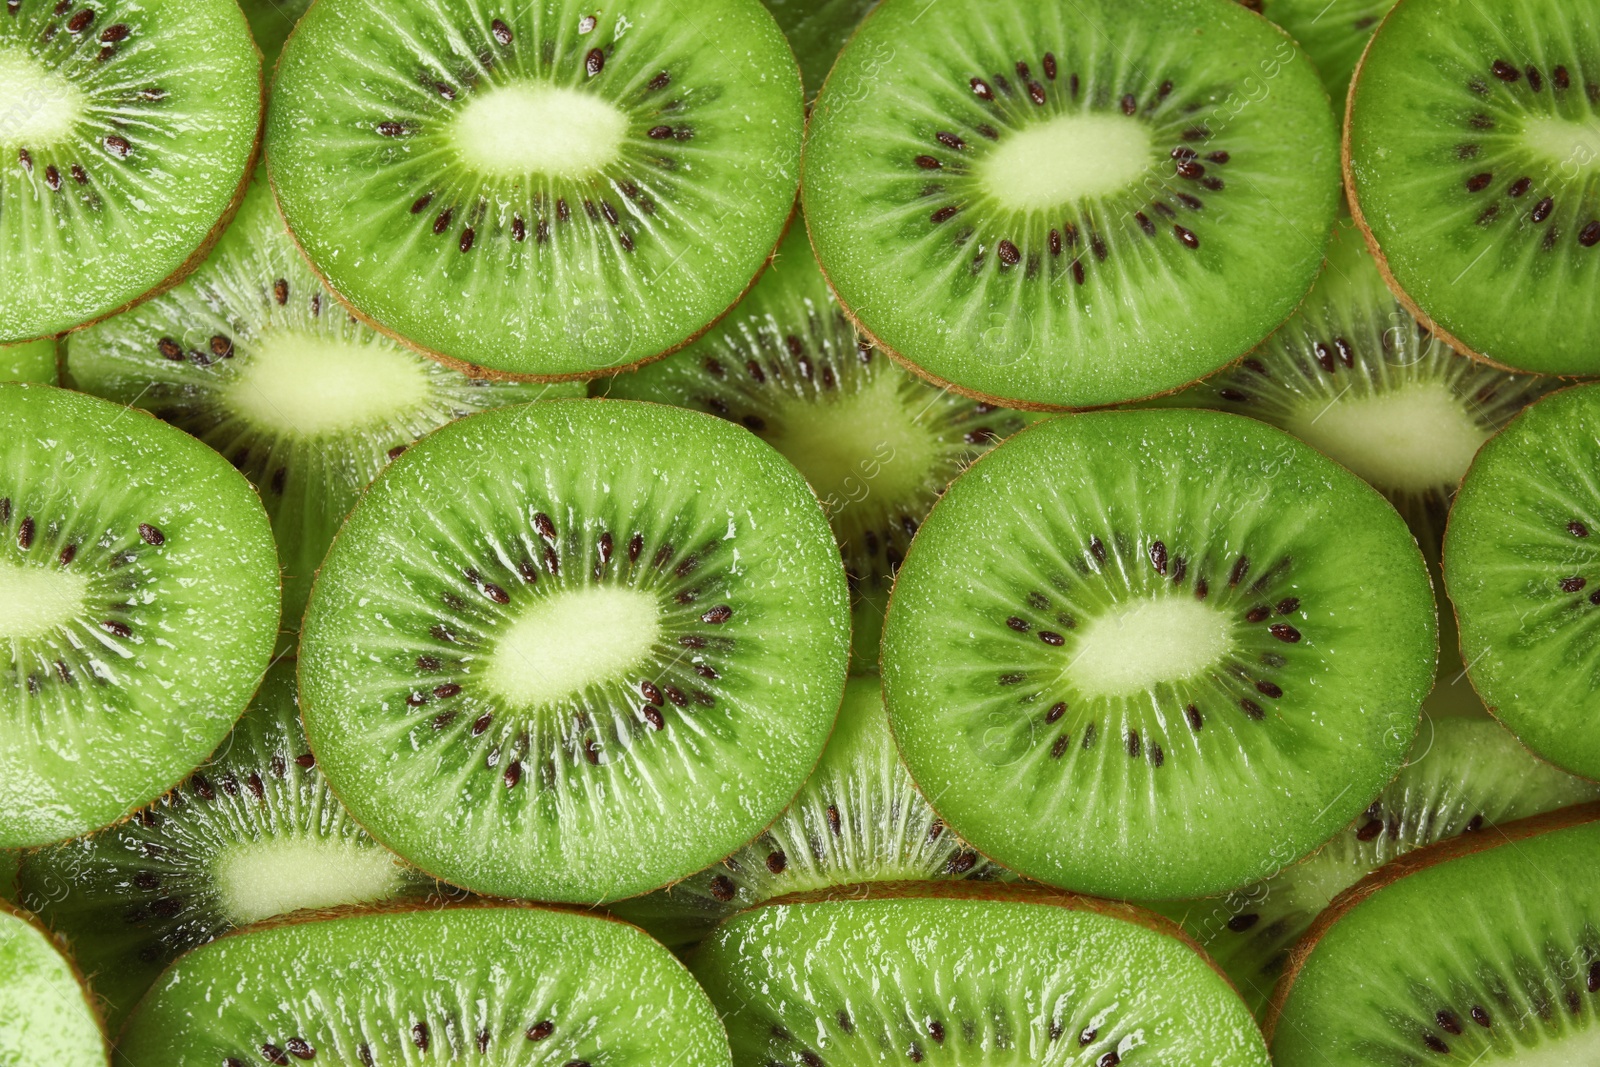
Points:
(1504, 71)
(1573, 585)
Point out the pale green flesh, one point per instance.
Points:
(526, 128)
(45, 1018)
(1071, 157)
(556, 649)
(40, 104)
(31, 362)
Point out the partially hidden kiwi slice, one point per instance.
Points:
(1482, 950)
(595, 673)
(537, 189)
(271, 22)
(965, 974)
(141, 599)
(33, 361)
(502, 984)
(817, 30)
(1156, 654)
(1333, 34)
(254, 357)
(1025, 211)
(1472, 152)
(252, 834)
(877, 444)
(1464, 776)
(859, 819)
(127, 129)
(47, 1018)
(1523, 571)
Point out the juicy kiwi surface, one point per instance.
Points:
(1022, 210)
(34, 361)
(497, 986)
(254, 357)
(968, 975)
(1463, 776)
(126, 130)
(1483, 952)
(254, 833)
(46, 1016)
(1472, 157)
(596, 673)
(878, 445)
(859, 819)
(540, 190)
(140, 602)
(1156, 654)
(1525, 578)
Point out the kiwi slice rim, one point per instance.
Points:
(13, 911)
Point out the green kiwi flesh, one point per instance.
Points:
(968, 975)
(1333, 34)
(1464, 776)
(537, 190)
(130, 127)
(46, 1016)
(492, 985)
(252, 834)
(1159, 674)
(602, 670)
(34, 361)
(1472, 151)
(139, 578)
(1031, 216)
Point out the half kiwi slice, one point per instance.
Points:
(859, 819)
(1481, 950)
(878, 445)
(959, 974)
(129, 128)
(1525, 579)
(33, 361)
(141, 599)
(1156, 654)
(502, 984)
(1471, 154)
(254, 357)
(1464, 776)
(597, 672)
(537, 190)
(253, 834)
(47, 1018)
(1029, 213)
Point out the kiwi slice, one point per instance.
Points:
(502, 984)
(34, 361)
(255, 358)
(271, 22)
(1471, 154)
(1523, 577)
(1333, 34)
(1031, 215)
(141, 599)
(597, 672)
(877, 444)
(46, 1016)
(1165, 673)
(1482, 950)
(254, 833)
(537, 190)
(128, 129)
(858, 819)
(1464, 776)
(817, 30)
(965, 974)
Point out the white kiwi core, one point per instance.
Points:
(38, 106)
(1415, 438)
(1573, 145)
(1068, 158)
(1143, 643)
(302, 385)
(528, 128)
(563, 643)
(37, 600)
(275, 876)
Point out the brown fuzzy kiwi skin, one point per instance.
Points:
(90, 1000)
(1410, 863)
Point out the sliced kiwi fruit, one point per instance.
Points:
(601, 670)
(254, 357)
(127, 128)
(817, 30)
(539, 190)
(1523, 576)
(968, 974)
(859, 819)
(502, 984)
(271, 22)
(876, 443)
(47, 1018)
(1464, 776)
(252, 834)
(140, 588)
(34, 361)
(1481, 950)
(1032, 216)
(1333, 34)
(1471, 154)
(1167, 672)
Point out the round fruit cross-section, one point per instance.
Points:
(537, 189)
(1156, 653)
(46, 1018)
(600, 669)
